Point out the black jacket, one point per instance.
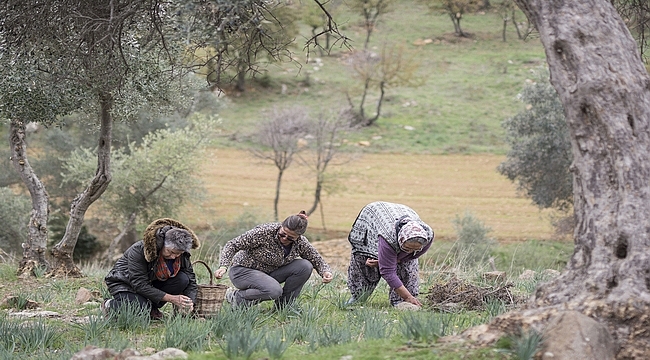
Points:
(134, 271)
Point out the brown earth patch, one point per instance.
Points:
(438, 187)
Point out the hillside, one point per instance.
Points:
(470, 84)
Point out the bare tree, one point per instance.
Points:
(455, 9)
(324, 140)
(393, 67)
(597, 71)
(507, 9)
(371, 10)
(279, 135)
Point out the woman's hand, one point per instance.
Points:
(327, 277)
(403, 292)
(413, 300)
(220, 272)
(181, 302)
(372, 262)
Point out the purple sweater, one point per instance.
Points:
(388, 260)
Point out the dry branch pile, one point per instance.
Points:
(458, 294)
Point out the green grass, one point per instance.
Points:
(320, 327)
(470, 89)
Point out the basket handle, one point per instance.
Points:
(207, 266)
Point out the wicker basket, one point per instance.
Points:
(209, 297)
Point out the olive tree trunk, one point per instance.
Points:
(597, 70)
(63, 264)
(34, 248)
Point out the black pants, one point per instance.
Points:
(172, 286)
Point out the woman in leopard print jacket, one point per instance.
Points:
(265, 257)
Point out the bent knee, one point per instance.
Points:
(274, 292)
(303, 265)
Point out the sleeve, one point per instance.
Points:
(191, 289)
(309, 253)
(388, 264)
(139, 277)
(249, 240)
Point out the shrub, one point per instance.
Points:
(14, 216)
(540, 149)
(473, 244)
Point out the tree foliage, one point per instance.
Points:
(540, 156)
(14, 216)
(153, 178)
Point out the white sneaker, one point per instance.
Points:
(406, 306)
(230, 296)
(105, 307)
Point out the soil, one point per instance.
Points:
(336, 252)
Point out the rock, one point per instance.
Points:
(169, 353)
(573, 335)
(30, 314)
(16, 302)
(364, 143)
(83, 295)
(527, 275)
(91, 352)
(406, 306)
(550, 273)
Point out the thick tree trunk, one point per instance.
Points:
(597, 71)
(63, 264)
(34, 248)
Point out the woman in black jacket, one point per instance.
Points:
(155, 270)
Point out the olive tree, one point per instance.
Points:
(540, 149)
(597, 71)
(455, 9)
(152, 179)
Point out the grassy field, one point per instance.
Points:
(438, 187)
(471, 84)
(444, 167)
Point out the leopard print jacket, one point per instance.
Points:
(260, 249)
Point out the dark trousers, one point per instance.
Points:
(255, 286)
(172, 286)
(363, 279)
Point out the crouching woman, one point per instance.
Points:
(268, 256)
(155, 270)
(387, 239)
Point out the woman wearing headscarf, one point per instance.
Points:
(267, 256)
(155, 270)
(387, 239)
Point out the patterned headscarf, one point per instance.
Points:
(411, 230)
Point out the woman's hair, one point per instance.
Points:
(296, 223)
(178, 239)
